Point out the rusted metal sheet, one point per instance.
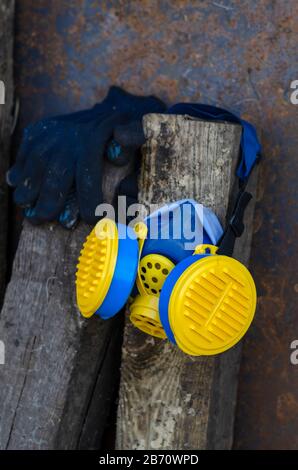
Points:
(240, 55)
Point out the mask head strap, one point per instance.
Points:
(250, 155)
(235, 226)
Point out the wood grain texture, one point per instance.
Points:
(60, 372)
(6, 75)
(169, 400)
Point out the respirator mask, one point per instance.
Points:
(175, 268)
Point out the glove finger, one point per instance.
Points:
(57, 182)
(69, 217)
(119, 155)
(35, 141)
(89, 166)
(37, 156)
(127, 138)
(30, 214)
(130, 134)
(33, 172)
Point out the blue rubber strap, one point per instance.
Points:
(250, 145)
(250, 152)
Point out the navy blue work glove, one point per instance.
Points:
(58, 170)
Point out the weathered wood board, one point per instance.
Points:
(61, 371)
(169, 400)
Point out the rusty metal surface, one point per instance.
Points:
(240, 55)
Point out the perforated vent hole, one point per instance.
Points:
(153, 272)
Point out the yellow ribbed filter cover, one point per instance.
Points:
(212, 305)
(96, 266)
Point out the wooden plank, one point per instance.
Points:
(61, 371)
(169, 400)
(6, 76)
